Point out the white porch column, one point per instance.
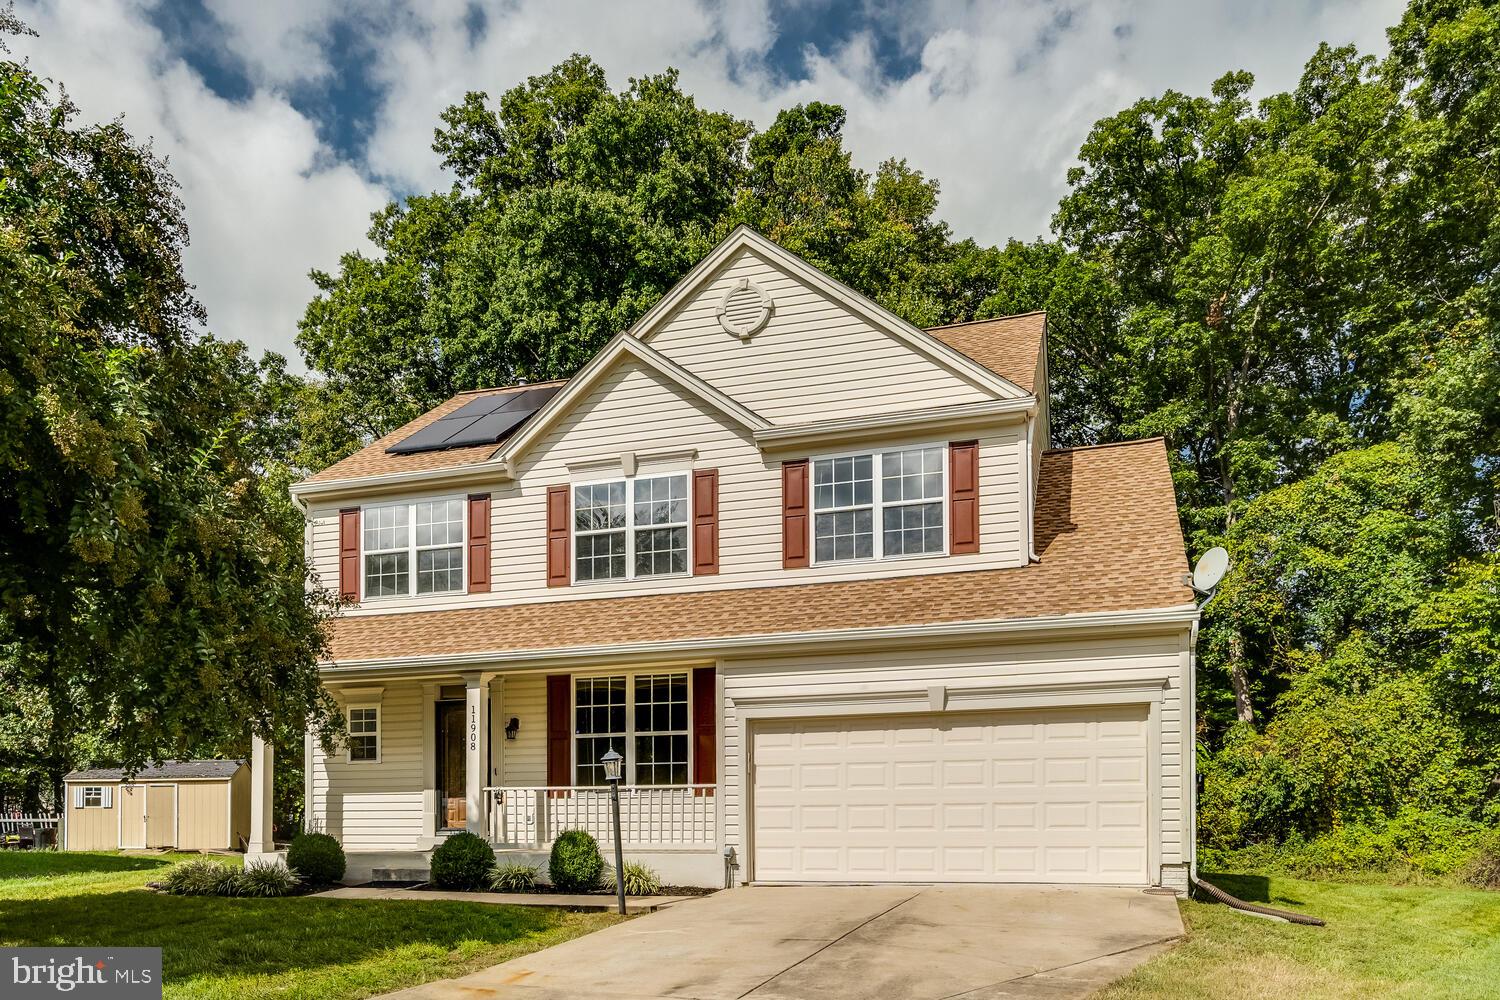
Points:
(476, 748)
(430, 793)
(262, 782)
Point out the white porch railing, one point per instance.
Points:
(650, 815)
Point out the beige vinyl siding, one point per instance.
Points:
(239, 797)
(814, 360)
(632, 408)
(1054, 662)
(202, 815)
(324, 530)
(376, 806)
(93, 828)
(523, 760)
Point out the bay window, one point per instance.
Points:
(618, 540)
(904, 516)
(414, 548)
(643, 717)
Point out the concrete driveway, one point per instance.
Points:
(975, 942)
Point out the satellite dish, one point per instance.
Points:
(1212, 566)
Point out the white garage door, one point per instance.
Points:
(1053, 796)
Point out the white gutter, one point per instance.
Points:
(777, 641)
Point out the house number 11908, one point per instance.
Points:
(473, 728)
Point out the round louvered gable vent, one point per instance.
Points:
(745, 309)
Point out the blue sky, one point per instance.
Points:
(288, 121)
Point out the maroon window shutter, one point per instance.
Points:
(349, 554)
(963, 496)
(559, 730)
(558, 574)
(705, 726)
(479, 543)
(705, 522)
(794, 504)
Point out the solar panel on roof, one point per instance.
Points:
(486, 420)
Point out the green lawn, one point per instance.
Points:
(1381, 941)
(244, 948)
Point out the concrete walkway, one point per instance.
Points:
(803, 942)
(633, 904)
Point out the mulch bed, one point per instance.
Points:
(541, 890)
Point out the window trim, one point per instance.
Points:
(95, 790)
(379, 733)
(628, 768)
(877, 503)
(412, 548)
(630, 527)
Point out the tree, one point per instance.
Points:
(152, 585)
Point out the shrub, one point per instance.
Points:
(263, 879)
(1483, 867)
(316, 857)
(575, 864)
(640, 880)
(462, 862)
(514, 878)
(200, 877)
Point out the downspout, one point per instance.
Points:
(1028, 484)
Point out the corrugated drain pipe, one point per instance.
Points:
(1219, 895)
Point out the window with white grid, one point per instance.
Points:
(661, 729)
(911, 495)
(642, 717)
(618, 540)
(364, 734)
(93, 796)
(414, 548)
(908, 505)
(600, 725)
(599, 532)
(659, 519)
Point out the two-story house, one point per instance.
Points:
(814, 572)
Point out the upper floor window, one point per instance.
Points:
(619, 539)
(879, 505)
(414, 548)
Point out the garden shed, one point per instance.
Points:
(189, 805)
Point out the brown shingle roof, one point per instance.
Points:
(1107, 536)
(1009, 346)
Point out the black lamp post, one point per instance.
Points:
(613, 763)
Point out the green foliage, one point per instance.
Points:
(575, 864)
(263, 879)
(200, 877)
(462, 862)
(316, 857)
(152, 579)
(1483, 867)
(640, 879)
(1412, 845)
(514, 877)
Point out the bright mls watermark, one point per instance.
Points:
(117, 973)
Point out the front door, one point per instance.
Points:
(161, 816)
(132, 817)
(452, 801)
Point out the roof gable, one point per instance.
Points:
(707, 322)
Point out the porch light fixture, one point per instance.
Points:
(512, 727)
(613, 763)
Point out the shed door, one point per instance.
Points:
(132, 807)
(1045, 796)
(161, 816)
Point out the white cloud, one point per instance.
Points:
(1003, 95)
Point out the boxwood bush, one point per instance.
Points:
(316, 857)
(575, 864)
(462, 862)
